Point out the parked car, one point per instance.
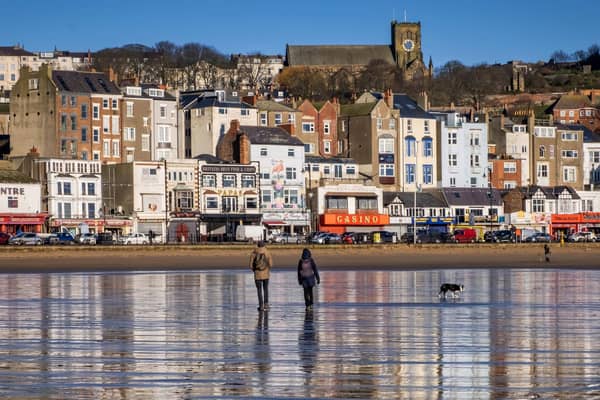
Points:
(582, 237)
(4, 237)
(61, 238)
(25, 238)
(104, 238)
(383, 237)
(501, 236)
(332, 238)
(134, 238)
(465, 235)
(317, 237)
(287, 238)
(538, 237)
(350, 238)
(85, 238)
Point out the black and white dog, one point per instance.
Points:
(453, 288)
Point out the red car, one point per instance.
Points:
(4, 238)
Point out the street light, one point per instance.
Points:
(417, 188)
(490, 195)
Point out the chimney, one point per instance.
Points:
(250, 100)
(388, 98)
(336, 104)
(244, 148)
(423, 101)
(289, 128)
(34, 153)
(234, 126)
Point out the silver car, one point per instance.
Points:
(26, 238)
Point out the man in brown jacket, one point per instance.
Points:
(261, 263)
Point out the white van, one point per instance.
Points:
(249, 233)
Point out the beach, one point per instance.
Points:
(377, 257)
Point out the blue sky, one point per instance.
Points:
(471, 31)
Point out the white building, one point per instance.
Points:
(20, 202)
(164, 143)
(463, 152)
(206, 116)
(517, 147)
(591, 161)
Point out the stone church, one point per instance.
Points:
(405, 51)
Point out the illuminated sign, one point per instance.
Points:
(356, 219)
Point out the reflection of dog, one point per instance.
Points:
(454, 289)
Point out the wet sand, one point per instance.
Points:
(378, 257)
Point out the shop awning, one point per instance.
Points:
(273, 222)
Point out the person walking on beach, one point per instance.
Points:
(261, 263)
(547, 252)
(308, 276)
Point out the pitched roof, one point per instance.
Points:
(409, 108)
(356, 109)
(471, 196)
(209, 158)
(572, 101)
(428, 199)
(551, 192)
(270, 135)
(337, 55)
(12, 51)
(208, 98)
(328, 160)
(270, 105)
(84, 82)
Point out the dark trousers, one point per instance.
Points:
(262, 289)
(308, 296)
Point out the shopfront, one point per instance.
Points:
(340, 223)
(14, 223)
(564, 224)
(117, 226)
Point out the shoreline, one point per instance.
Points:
(215, 257)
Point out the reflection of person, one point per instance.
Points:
(308, 276)
(261, 347)
(261, 263)
(547, 252)
(307, 343)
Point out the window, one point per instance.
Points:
(263, 151)
(570, 136)
(337, 170)
(426, 126)
(427, 147)
(116, 148)
(473, 181)
(105, 123)
(248, 181)
(337, 203)
(115, 124)
(145, 142)
(228, 180)
(379, 123)
(427, 174)
(63, 100)
(164, 134)
(290, 173)
(263, 119)
(595, 156)
(91, 189)
(105, 103)
(106, 148)
(163, 111)
(222, 111)
(308, 127)
(209, 180)
(350, 170)
(115, 104)
(73, 122)
(84, 111)
(95, 155)
(368, 203)
(510, 167)
(411, 145)
(409, 125)
(538, 205)
(569, 174)
(63, 122)
(212, 202)
(66, 188)
(386, 170)
(33, 83)
(244, 112)
(452, 182)
(291, 118)
(130, 134)
(184, 200)
(266, 197)
(474, 160)
(278, 119)
(67, 210)
(129, 108)
(542, 151)
(290, 196)
(326, 170)
(13, 202)
(569, 153)
(392, 123)
(291, 153)
(315, 167)
(73, 101)
(386, 145)
(475, 139)
(251, 203)
(452, 138)
(410, 173)
(309, 148)
(326, 127)
(452, 160)
(327, 146)
(84, 133)
(542, 170)
(96, 111)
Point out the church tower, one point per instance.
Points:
(406, 46)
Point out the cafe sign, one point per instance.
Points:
(229, 169)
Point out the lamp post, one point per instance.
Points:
(490, 195)
(417, 188)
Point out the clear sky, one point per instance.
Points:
(471, 31)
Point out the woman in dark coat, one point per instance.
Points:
(308, 276)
